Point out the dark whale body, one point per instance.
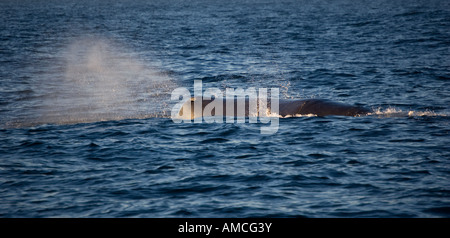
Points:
(320, 107)
(287, 107)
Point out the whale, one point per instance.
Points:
(286, 108)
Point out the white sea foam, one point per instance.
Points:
(396, 112)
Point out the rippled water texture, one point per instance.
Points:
(85, 104)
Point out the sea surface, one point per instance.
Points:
(85, 126)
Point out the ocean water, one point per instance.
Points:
(85, 127)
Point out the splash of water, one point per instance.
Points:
(102, 81)
(395, 112)
(390, 112)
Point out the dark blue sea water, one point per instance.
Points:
(85, 128)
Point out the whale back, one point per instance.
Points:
(287, 107)
(320, 107)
